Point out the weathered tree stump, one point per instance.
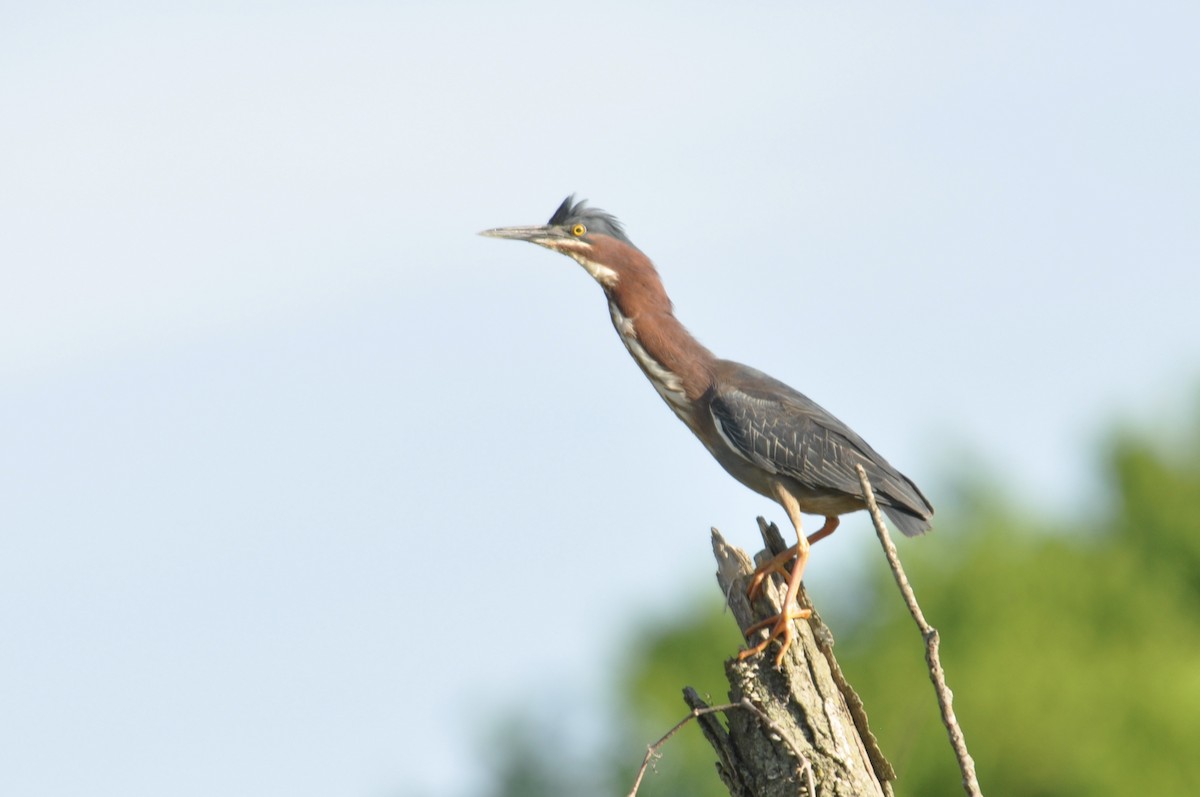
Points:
(816, 741)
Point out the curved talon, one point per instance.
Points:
(781, 629)
(774, 565)
(775, 620)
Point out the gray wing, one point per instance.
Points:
(783, 431)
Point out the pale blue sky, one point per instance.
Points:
(291, 458)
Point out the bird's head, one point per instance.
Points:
(590, 236)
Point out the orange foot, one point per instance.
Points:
(775, 565)
(781, 629)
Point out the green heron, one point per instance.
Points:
(771, 438)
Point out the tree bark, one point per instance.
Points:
(809, 733)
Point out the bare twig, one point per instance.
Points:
(803, 767)
(945, 697)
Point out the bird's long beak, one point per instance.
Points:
(536, 234)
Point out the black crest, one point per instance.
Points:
(596, 220)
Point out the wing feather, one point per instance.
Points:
(783, 431)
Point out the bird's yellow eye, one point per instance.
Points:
(578, 230)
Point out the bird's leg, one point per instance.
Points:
(781, 624)
(831, 524)
(777, 562)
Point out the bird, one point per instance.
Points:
(767, 435)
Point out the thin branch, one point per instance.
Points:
(945, 697)
(803, 766)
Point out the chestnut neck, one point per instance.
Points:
(639, 297)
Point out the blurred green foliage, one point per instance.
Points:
(1073, 650)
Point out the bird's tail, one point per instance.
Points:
(910, 523)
